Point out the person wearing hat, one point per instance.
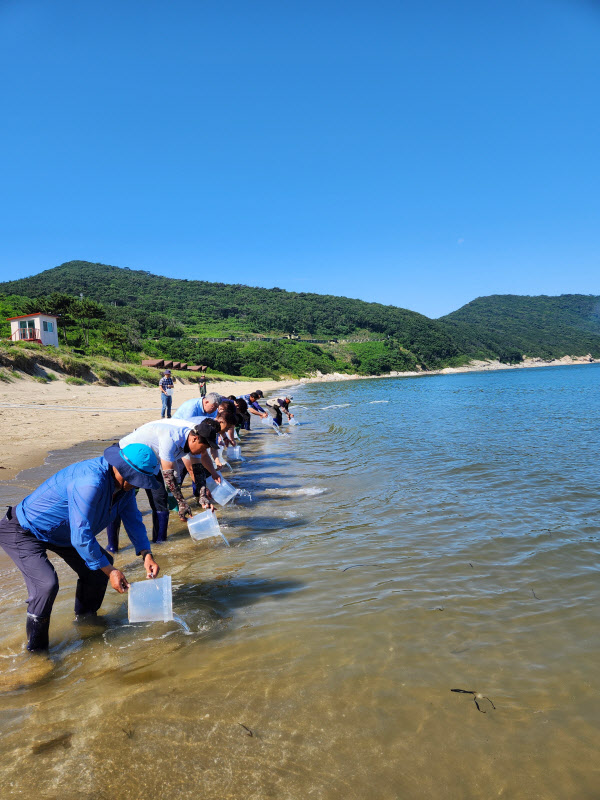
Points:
(280, 405)
(165, 385)
(252, 405)
(171, 440)
(64, 515)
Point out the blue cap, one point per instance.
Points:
(137, 463)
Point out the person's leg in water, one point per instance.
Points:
(159, 503)
(91, 583)
(29, 555)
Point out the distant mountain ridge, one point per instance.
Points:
(543, 326)
(160, 314)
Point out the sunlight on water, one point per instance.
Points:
(411, 538)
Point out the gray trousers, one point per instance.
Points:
(29, 554)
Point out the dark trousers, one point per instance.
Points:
(159, 503)
(29, 554)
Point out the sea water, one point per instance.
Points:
(412, 537)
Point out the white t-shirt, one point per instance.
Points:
(166, 437)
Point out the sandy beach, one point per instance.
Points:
(36, 418)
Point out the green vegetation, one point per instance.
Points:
(110, 313)
(545, 327)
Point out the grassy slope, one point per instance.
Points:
(42, 362)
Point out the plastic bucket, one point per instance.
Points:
(151, 600)
(292, 421)
(222, 492)
(204, 525)
(234, 453)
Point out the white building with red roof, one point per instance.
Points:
(40, 328)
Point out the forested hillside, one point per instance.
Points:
(153, 308)
(547, 327)
(118, 312)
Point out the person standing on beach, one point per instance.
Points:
(166, 389)
(202, 385)
(64, 515)
(171, 440)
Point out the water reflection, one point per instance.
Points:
(456, 548)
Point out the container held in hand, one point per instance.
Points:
(169, 392)
(234, 453)
(222, 492)
(292, 421)
(151, 600)
(205, 526)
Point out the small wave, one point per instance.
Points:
(341, 405)
(372, 402)
(307, 490)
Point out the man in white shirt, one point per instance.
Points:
(172, 440)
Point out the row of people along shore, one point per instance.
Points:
(69, 510)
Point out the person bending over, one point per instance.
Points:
(253, 407)
(63, 516)
(279, 406)
(170, 440)
(199, 407)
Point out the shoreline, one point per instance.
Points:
(473, 366)
(37, 418)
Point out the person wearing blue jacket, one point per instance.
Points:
(253, 406)
(199, 407)
(63, 516)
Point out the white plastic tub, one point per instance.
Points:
(234, 453)
(292, 421)
(205, 526)
(222, 492)
(151, 600)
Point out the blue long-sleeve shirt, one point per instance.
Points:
(72, 507)
(193, 408)
(254, 404)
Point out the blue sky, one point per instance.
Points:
(418, 154)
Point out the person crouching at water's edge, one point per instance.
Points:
(170, 440)
(64, 515)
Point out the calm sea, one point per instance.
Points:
(410, 537)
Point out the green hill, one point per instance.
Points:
(542, 326)
(243, 330)
(152, 307)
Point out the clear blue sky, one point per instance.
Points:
(413, 153)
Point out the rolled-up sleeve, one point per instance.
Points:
(84, 501)
(133, 522)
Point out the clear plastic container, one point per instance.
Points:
(204, 526)
(151, 600)
(234, 453)
(222, 492)
(292, 421)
